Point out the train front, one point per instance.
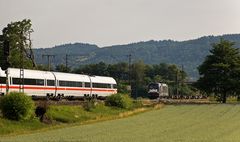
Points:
(153, 90)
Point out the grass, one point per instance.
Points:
(173, 123)
(10, 126)
(62, 116)
(72, 114)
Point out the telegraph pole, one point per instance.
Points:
(21, 84)
(177, 83)
(67, 55)
(129, 68)
(182, 75)
(48, 58)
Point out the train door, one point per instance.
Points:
(2, 82)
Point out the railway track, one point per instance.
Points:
(166, 100)
(64, 102)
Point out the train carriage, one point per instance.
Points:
(103, 86)
(158, 90)
(34, 82)
(57, 85)
(72, 85)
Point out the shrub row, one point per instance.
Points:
(18, 106)
(119, 100)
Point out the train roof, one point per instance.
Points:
(2, 73)
(71, 76)
(158, 83)
(103, 79)
(31, 73)
(15, 72)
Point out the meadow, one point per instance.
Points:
(173, 123)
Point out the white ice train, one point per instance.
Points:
(49, 84)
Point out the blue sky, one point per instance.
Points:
(111, 22)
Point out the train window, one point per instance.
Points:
(50, 82)
(70, 83)
(87, 84)
(79, 84)
(39, 82)
(114, 86)
(28, 81)
(62, 83)
(2, 80)
(33, 81)
(16, 80)
(101, 85)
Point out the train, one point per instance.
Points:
(56, 85)
(158, 90)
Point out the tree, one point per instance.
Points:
(18, 34)
(62, 68)
(137, 84)
(220, 72)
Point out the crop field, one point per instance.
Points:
(173, 123)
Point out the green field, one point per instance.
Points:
(173, 123)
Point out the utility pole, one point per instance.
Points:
(182, 75)
(182, 82)
(48, 58)
(21, 84)
(177, 83)
(67, 55)
(129, 68)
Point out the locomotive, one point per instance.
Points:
(47, 84)
(158, 90)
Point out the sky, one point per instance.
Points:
(113, 22)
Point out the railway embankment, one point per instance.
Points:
(66, 114)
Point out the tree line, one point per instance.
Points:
(138, 75)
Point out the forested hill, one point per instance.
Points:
(189, 53)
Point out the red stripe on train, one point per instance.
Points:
(61, 89)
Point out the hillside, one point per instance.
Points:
(189, 53)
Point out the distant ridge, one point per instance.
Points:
(190, 53)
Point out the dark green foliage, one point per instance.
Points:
(89, 104)
(100, 69)
(119, 100)
(62, 68)
(123, 87)
(138, 103)
(18, 34)
(141, 75)
(17, 106)
(41, 110)
(220, 72)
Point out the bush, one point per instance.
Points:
(17, 106)
(119, 100)
(89, 104)
(138, 103)
(41, 110)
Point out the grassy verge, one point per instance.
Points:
(9, 126)
(63, 115)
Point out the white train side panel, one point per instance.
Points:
(103, 86)
(72, 84)
(35, 82)
(45, 83)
